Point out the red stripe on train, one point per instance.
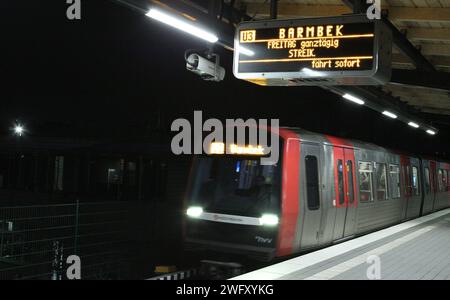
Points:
(290, 192)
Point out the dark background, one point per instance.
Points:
(115, 74)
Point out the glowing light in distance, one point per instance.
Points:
(19, 130)
(182, 25)
(412, 124)
(432, 132)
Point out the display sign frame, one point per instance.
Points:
(378, 74)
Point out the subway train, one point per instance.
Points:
(323, 190)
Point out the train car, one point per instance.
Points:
(322, 191)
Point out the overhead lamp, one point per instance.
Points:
(389, 114)
(243, 50)
(183, 25)
(413, 124)
(353, 99)
(431, 132)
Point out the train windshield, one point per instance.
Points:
(236, 186)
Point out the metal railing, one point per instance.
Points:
(36, 240)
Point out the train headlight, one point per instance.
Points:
(269, 220)
(194, 211)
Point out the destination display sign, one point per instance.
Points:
(313, 51)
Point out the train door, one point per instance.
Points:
(406, 184)
(350, 177)
(427, 188)
(434, 189)
(344, 202)
(312, 193)
(415, 200)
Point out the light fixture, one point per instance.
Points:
(194, 211)
(432, 132)
(269, 220)
(217, 148)
(19, 130)
(242, 50)
(353, 99)
(182, 25)
(413, 124)
(389, 114)
(312, 73)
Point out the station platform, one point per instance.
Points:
(415, 250)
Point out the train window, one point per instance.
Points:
(448, 178)
(440, 180)
(340, 168)
(408, 180)
(427, 181)
(415, 181)
(312, 182)
(448, 183)
(351, 196)
(444, 180)
(382, 193)
(365, 181)
(394, 181)
(236, 186)
(58, 182)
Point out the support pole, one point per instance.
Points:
(273, 9)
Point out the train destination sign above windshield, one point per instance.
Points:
(344, 50)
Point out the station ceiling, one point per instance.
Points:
(425, 23)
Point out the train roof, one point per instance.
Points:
(314, 137)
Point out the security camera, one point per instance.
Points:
(206, 69)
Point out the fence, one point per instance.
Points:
(36, 240)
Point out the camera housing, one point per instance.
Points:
(206, 69)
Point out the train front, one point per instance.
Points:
(233, 204)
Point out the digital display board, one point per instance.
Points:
(313, 51)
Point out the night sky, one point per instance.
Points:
(117, 74)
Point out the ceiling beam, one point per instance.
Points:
(428, 34)
(434, 80)
(431, 49)
(415, 90)
(435, 49)
(437, 61)
(400, 40)
(395, 13)
(442, 112)
(425, 14)
(297, 10)
(379, 100)
(425, 100)
(273, 9)
(405, 46)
